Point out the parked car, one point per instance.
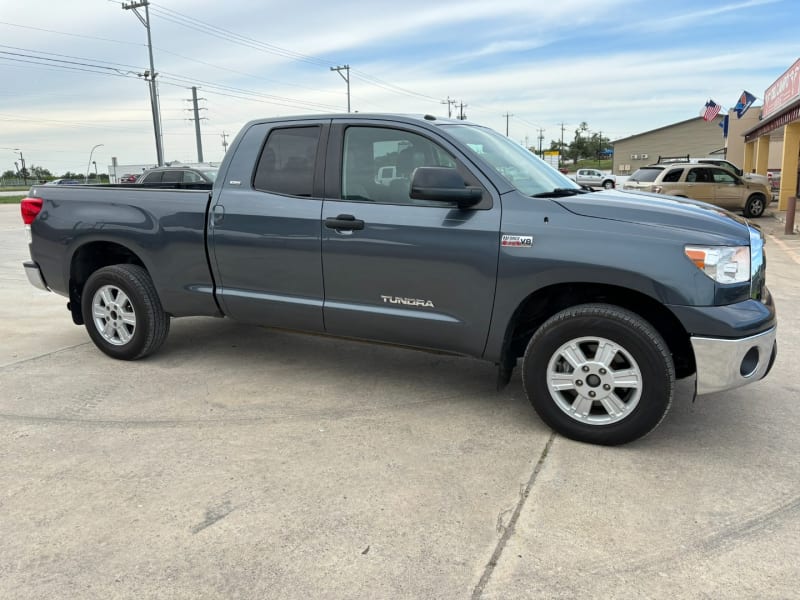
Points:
(595, 178)
(64, 182)
(476, 247)
(128, 178)
(178, 175)
(718, 162)
(712, 184)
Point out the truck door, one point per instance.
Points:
(400, 270)
(265, 227)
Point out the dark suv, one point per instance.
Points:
(178, 175)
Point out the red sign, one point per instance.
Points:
(785, 89)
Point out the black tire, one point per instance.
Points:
(608, 184)
(635, 375)
(755, 206)
(130, 322)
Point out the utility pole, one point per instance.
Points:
(461, 114)
(196, 120)
(507, 116)
(152, 74)
(224, 137)
(561, 149)
(541, 137)
(346, 78)
(23, 170)
(450, 104)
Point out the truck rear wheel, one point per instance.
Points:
(598, 373)
(122, 312)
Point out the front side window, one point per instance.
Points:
(721, 176)
(191, 177)
(378, 163)
(286, 164)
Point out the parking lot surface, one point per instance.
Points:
(242, 462)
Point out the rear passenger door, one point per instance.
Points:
(699, 184)
(265, 227)
(406, 271)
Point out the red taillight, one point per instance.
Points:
(30, 207)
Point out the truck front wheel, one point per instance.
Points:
(122, 312)
(598, 373)
(755, 206)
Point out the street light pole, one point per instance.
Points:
(89, 166)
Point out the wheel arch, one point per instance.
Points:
(542, 304)
(87, 259)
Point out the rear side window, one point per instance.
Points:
(154, 177)
(286, 164)
(172, 177)
(672, 176)
(701, 175)
(646, 174)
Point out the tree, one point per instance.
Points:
(9, 174)
(40, 172)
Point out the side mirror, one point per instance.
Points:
(442, 184)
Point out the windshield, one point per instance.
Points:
(521, 167)
(210, 173)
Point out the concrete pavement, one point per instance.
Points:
(251, 463)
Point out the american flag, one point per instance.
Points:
(712, 110)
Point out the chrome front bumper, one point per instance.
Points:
(726, 364)
(35, 275)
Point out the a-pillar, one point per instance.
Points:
(789, 161)
(749, 157)
(762, 155)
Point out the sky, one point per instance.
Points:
(71, 72)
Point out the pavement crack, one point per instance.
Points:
(508, 530)
(38, 356)
(214, 514)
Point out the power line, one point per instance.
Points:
(86, 37)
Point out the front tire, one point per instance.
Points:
(608, 184)
(755, 206)
(122, 312)
(598, 373)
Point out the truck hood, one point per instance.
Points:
(657, 210)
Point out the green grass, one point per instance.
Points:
(11, 199)
(15, 188)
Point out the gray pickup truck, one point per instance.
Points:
(467, 244)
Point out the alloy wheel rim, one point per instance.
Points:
(594, 380)
(113, 315)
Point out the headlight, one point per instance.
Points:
(724, 264)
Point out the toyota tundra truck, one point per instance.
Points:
(473, 247)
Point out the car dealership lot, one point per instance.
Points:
(245, 462)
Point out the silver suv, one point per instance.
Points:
(178, 175)
(709, 183)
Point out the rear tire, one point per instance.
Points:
(122, 312)
(608, 184)
(755, 206)
(598, 373)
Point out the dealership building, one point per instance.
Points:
(780, 122)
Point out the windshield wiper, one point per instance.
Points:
(560, 193)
